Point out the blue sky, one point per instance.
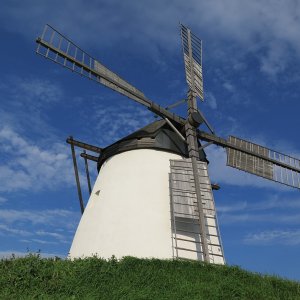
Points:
(251, 60)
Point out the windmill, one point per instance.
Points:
(153, 196)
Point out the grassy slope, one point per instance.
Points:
(35, 278)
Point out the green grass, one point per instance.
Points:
(32, 277)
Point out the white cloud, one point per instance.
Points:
(274, 28)
(31, 94)
(55, 235)
(55, 217)
(26, 102)
(271, 217)
(211, 100)
(47, 227)
(37, 91)
(260, 27)
(277, 201)
(39, 241)
(16, 231)
(30, 167)
(275, 62)
(4, 230)
(274, 237)
(115, 122)
(39, 226)
(274, 208)
(2, 200)
(238, 206)
(229, 86)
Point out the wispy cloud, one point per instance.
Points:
(3, 200)
(47, 241)
(268, 37)
(274, 209)
(4, 230)
(34, 91)
(33, 235)
(275, 61)
(49, 227)
(274, 237)
(273, 37)
(55, 217)
(25, 104)
(240, 206)
(229, 86)
(272, 202)
(55, 235)
(211, 100)
(115, 122)
(44, 242)
(26, 166)
(262, 218)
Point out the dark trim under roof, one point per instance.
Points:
(157, 135)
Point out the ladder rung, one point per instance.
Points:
(204, 202)
(187, 196)
(178, 213)
(193, 223)
(196, 251)
(207, 216)
(190, 191)
(187, 231)
(190, 181)
(194, 232)
(196, 242)
(184, 258)
(186, 249)
(191, 205)
(215, 254)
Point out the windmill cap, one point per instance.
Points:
(157, 135)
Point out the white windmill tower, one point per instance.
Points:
(153, 196)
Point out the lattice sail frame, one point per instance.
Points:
(192, 53)
(71, 56)
(59, 49)
(266, 165)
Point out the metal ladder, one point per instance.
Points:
(186, 238)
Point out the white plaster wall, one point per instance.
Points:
(128, 212)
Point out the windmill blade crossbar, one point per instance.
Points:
(56, 47)
(192, 52)
(269, 164)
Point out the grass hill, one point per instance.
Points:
(32, 277)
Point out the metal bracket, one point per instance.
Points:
(175, 129)
(86, 157)
(205, 121)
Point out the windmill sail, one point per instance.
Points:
(264, 162)
(192, 52)
(56, 47)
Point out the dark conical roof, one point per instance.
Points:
(157, 135)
